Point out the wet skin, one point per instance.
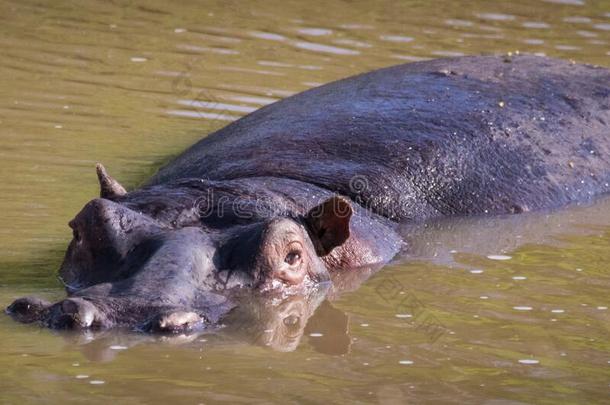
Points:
(315, 185)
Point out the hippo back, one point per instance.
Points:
(451, 136)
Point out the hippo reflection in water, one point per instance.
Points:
(316, 185)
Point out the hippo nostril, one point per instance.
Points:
(75, 313)
(27, 309)
(175, 322)
(69, 307)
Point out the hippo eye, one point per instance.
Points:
(291, 320)
(293, 257)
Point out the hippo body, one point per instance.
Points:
(462, 136)
(312, 188)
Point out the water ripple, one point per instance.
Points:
(267, 35)
(202, 115)
(212, 105)
(312, 46)
(206, 49)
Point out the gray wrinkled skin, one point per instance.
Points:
(285, 199)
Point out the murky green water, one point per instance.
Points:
(132, 83)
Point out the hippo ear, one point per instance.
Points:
(328, 224)
(109, 187)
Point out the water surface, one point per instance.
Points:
(483, 311)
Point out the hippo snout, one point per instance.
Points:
(91, 313)
(71, 313)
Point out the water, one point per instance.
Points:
(132, 83)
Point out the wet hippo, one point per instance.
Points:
(315, 185)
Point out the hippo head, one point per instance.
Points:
(150, 261)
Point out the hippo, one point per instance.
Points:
(281, 201)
